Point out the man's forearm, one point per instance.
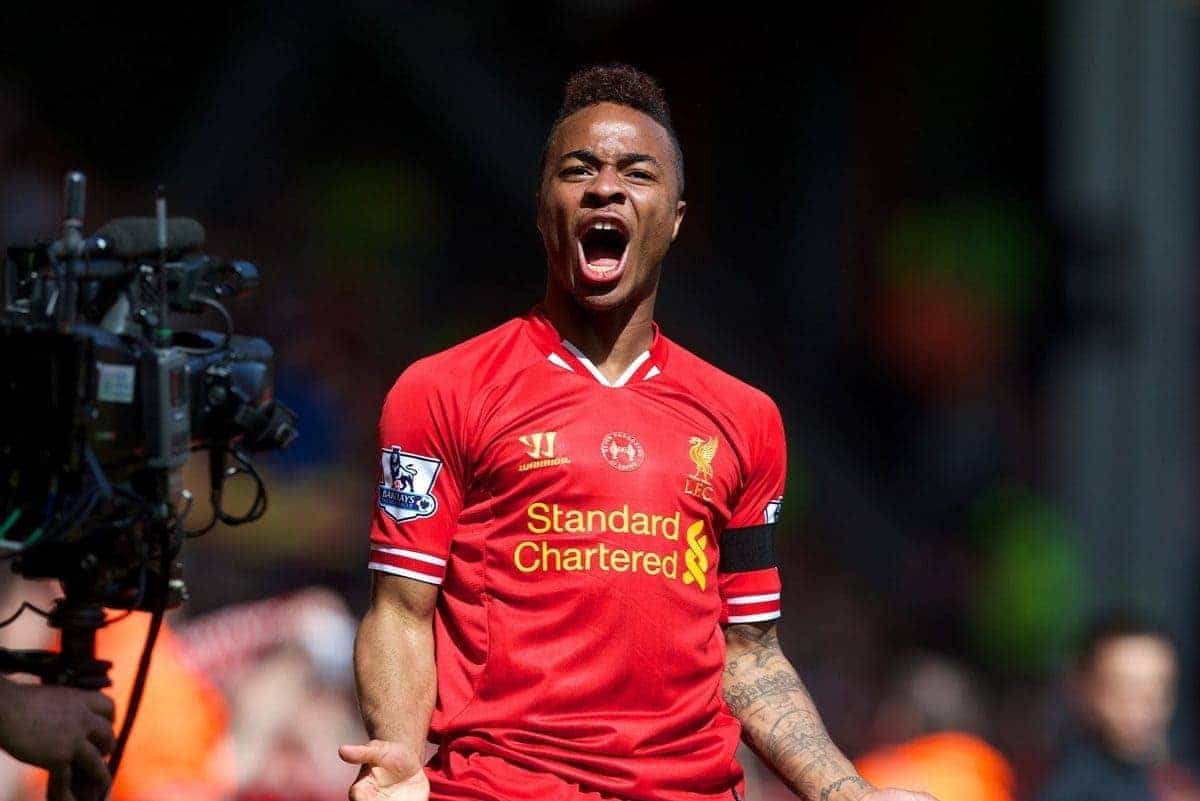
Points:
(779, 720)
(394, 668)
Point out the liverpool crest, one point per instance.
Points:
(701, 450)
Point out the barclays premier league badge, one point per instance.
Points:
(406, 492)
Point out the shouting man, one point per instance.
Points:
(575, 596)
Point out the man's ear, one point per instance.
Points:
(680, 208)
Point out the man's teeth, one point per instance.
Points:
(602, 270)
(602, 225)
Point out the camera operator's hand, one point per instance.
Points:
(58, 728)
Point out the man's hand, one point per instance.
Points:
(854, 788)
(57, 728)
(390, 772)
(890, 794)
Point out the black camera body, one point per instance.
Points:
(104, 402)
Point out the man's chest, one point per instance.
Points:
(581, 480)
(591, 448)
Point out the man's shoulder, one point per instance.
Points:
(1083, 771)
(706, 380)
(474, 362)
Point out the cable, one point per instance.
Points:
(226, 317)
(192, 533)
(139, 683)
(82, 509)
(135, 695)
(213, 304)
(259, 508)
(25, 605)
(141, 595)
(190, 501)
(9, 522)
(72, 518)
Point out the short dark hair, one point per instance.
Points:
(1116, 624)
(621, 84)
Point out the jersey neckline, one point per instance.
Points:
(563, 353)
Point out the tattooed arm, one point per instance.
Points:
(781, 724)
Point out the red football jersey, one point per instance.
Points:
(589, 539)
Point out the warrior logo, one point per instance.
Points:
(540, 449)
(622, 451)
(407, 490)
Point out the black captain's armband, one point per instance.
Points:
(744, 549)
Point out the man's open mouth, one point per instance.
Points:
(603, 245)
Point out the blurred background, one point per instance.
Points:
(956, 242)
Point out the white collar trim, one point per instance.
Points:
(591, 368)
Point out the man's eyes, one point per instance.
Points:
(583, 169)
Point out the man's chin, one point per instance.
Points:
(599, 298)
(595, 296)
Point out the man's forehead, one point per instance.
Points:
(1135, 653)
(608, 129)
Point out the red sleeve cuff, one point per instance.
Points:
(750, 596)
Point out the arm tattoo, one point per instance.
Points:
(778, 718)
(770, 686)
(833, 786)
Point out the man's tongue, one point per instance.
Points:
(601, 257)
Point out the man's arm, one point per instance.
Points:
(781, 724)
(779, 720)
(397, 687)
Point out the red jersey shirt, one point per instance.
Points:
(589, 539)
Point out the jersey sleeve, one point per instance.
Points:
(420, 490)
(748, 575)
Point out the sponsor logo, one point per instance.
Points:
(406, 492)
(544, 518)
(539, 447)
(699, 483)
(694, 558)
(771, 512)
(531, 556)
(622, 451)
(689, 563)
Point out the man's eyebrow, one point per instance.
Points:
(588, 157)
(634, 158)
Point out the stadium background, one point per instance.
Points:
(956, 242)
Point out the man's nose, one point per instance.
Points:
(604, 189)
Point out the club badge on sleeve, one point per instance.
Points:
(406, 492)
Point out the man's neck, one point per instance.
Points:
(611, 339)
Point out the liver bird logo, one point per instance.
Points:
(702, 453)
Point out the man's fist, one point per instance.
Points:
(390, 772)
